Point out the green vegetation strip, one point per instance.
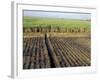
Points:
(55, 22)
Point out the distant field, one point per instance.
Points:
(63, 23)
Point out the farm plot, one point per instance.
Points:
(35, 54)
(53, 52)
(69, 53)
(50, 41)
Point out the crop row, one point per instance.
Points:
(69, 53)
(35, 54)
(56, 29)
(51, 52)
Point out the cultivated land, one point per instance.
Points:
(52, 43)
(47, 22)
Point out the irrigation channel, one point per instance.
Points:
(53, 52)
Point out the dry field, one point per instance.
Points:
(52, 50)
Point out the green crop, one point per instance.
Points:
(55, 22)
